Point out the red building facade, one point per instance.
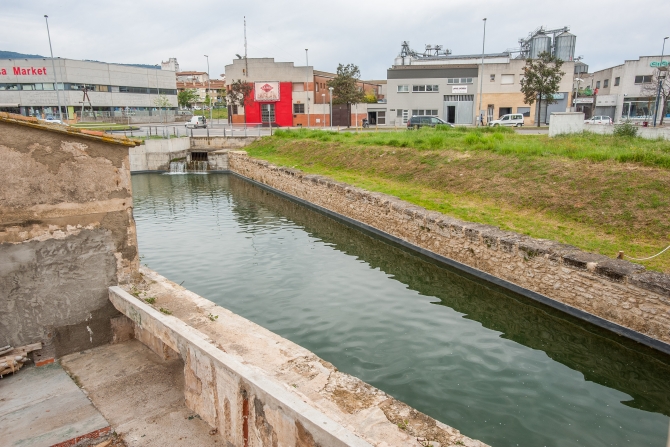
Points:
(267, 106)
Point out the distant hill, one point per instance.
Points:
(15, 55)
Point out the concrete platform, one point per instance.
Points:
(140, 395)
(43, 407)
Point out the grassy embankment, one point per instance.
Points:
(600, 193)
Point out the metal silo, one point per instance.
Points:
(539, 44)
(564, 46)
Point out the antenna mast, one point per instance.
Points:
(246, 63)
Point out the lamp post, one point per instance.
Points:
(323, 101)
(330, 89)
(209, 91)
(574, 101)
(660, 82)
(481, 79)
(53, 64)
(307, 83)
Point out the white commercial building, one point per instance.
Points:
(627, 91)
(28, 87)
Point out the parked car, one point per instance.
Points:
(196, 121)
(423, 120)
(598, 120)
(52, 119)
(512, 120)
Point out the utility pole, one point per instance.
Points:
(246, 63)
(209, 91)
(307, 84)
(330, 89)
(480, 117)
(660, 82)
(53, 64)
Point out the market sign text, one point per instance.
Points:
(659, 64)
(30, 71)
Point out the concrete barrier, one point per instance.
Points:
(566, 123)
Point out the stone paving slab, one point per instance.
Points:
(141, 395)
(43, 407)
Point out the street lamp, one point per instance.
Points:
(209, 91)
(53, 64)
(307, 83)
(574, 101)
(660, 81)
(481, 79)
(331, 107)
(323, 101)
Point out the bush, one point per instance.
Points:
(627, 129)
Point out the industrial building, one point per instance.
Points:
(447, 86)
(286, 95)
(28, 87)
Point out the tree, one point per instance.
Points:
(651, 89)
(345, 85)
(237, 95)
(541, 80)
(370, 97)
(161, 102)
(187, 97)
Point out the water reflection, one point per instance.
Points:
(356, 300)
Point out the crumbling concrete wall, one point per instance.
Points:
(236, 142)
(584, 284)
(66, 234)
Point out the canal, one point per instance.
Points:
(495, 365)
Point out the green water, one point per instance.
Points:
(496, 366)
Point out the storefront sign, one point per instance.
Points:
(25, 71)
(659, 64)
(459, 89)
(583, 100)
(266, 91)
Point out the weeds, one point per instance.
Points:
(150, 300)
(213, 317)
(165, 311)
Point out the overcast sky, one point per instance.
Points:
(367, 33)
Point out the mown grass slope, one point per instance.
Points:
(600, 193)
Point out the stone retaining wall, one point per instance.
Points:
(612, 293)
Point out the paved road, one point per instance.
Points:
(224, 129)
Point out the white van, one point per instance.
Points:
(514, 119)
(196, 121)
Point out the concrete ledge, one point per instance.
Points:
(223, 391)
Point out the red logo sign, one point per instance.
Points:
(266, 88)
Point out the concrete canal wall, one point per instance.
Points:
(259, 389)
(66, 234)
(615, 294)
(155, 155)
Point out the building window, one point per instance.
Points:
(403, 88)
(493, 78)
(507, 79)
(298, 108)
(616, 81)
(459, 80)
(425, 88)
(597, 84)
(234, 111)
(428, 112)
(403, 114)
(459, 97)
(525, 111)
(643, 79)
(606, 83)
